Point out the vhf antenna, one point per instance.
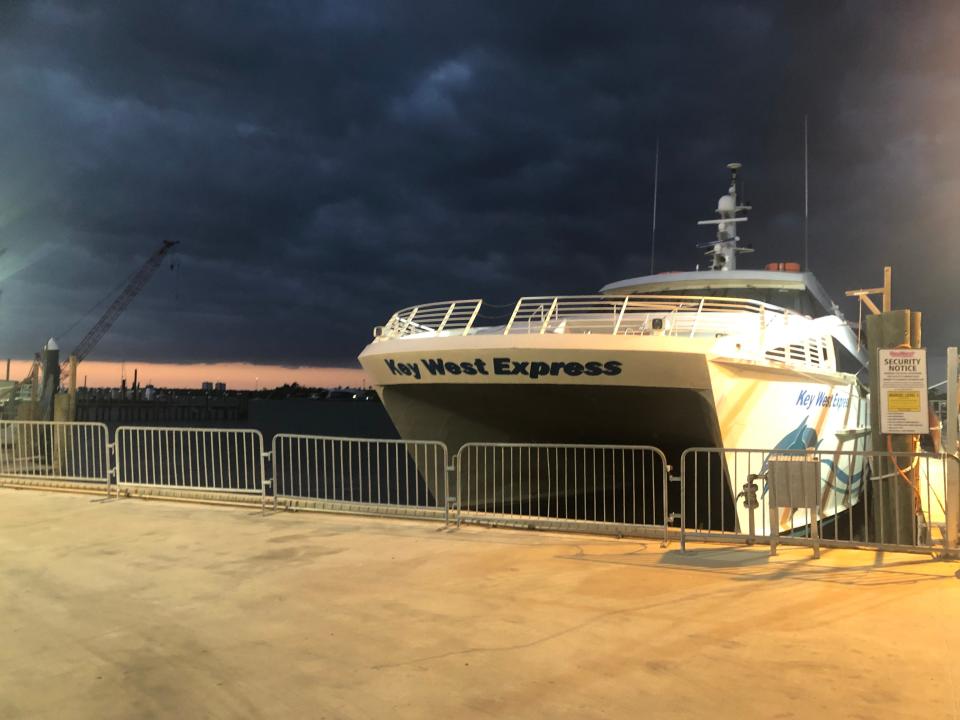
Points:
(806, 200)
(653, 230)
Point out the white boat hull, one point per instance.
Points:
(673, 393)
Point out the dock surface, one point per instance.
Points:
(153, 609)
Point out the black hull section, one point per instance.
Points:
(671, 419)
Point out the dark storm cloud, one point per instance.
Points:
(325, 164)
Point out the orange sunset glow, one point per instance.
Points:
(237, 376)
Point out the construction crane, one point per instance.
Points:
(137, 282)
(123, 300)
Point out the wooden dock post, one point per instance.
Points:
(892, 500)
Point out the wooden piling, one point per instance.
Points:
(892, 498)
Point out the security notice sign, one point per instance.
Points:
(903, 392)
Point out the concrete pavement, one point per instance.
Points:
(152, 609)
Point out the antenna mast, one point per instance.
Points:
(724, 249)
(656, 179)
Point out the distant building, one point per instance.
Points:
(207, 387)
(220, 387)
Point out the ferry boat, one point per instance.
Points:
(723, 357)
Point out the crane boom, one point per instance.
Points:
(126, 296)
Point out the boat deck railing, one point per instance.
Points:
(679, 316)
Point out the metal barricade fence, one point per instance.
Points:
(896, 501)
(54, 451)
(611, 488)
(198, 459)
(869, 499)
(361, 474)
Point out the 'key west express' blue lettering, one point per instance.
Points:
(807, 399)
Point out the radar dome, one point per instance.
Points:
(725, 204)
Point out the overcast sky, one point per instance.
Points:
(325, 163)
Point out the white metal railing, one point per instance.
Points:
(767, 332)
(671, 315)
(455, 317)
(198, 459)
(865, 499)
(555, 485)
(62, 451)
(371, 473)
(873, 499)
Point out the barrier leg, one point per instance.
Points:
(774, 530)
(815, 531)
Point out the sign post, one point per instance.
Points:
(950, 446)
